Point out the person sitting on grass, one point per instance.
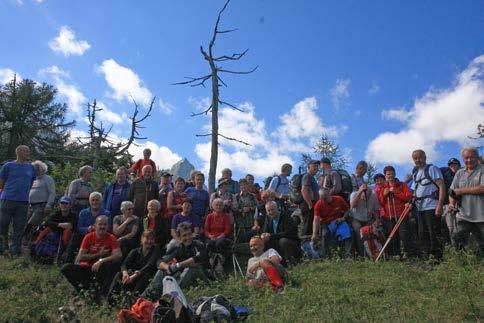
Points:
(217, 229)
(138, 267)
(125, 228)
(280, 232)
(98, 260)
(85, 224)
(153, 222)
(187, 216)
(264, 268)
(186, 263)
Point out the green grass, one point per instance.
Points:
(319, 291)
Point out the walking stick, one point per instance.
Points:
(404, 214)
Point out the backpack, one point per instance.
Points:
(372, 240)
(295, 195)
(435, 194)
(346, 183)
(216, 308)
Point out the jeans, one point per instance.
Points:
(186, 278)
(15, 212)
(136, 287)
(464, 229)
(72, 247)
(429, 234)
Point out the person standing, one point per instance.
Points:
(310, 194)
(41, 197)
(467, 198)
(16, 178)
(429, 192)
(116, 192)
(138, 166)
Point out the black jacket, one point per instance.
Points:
(286, 228)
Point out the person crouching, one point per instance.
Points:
(264, 268)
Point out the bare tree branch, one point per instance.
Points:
(206, 111)
(195, 81)
(230, 105)
(237, 72)
(234, 57)
(233, 139)
(226, 31)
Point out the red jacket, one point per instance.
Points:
(401, 195)
(216, 224)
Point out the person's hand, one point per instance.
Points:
(63, 225)
(95, 267)
(339, 220)
(129, 219)
(363, 187)
(254, 267)
(386, 191)
(438, 210)
(265, 237)
(90, 228)
(125, 278)
(255, 228)
(314, 238)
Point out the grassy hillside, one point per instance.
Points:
(319, 291)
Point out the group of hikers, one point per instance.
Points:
(134, 234)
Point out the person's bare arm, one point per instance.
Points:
(475, 190)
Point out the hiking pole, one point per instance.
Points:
(56, 261)
(404, 214)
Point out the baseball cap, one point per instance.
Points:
(65, 200)
(453, 161)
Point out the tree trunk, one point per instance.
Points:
(214, 148)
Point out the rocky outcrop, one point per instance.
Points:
(182, 169)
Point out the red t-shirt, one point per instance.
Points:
(216, 224)
(138, 166)
(92, 243)
(333, 210)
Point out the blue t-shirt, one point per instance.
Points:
(194, 220)
(200, 200)
(18, 179)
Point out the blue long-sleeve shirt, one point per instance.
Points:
(86, 219)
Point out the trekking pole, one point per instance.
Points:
(56, 261)
(404, 214)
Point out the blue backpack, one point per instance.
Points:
(339, 231)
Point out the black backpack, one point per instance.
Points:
(416, 183)
(448, 176)
(295, 185)
(346, 183)
(214, 309)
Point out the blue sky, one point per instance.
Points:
(380, 78)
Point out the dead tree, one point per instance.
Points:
(99, 135)
(215, 71)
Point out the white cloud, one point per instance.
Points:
(67, 44)
(243, 161)
(301, 127)
(110, 116)
(340, 93)
(6, 75)
(450, 115)
(398, 114)
(374, 89)
(125, 83)
(76, 101)
(298, 130)
(243, 126)
(165, 107)
(200, 104)
(163, 156)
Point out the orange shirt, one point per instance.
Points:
(138, 166)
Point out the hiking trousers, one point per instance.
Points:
(82, 278)
(357, 224)
(404, 235)
(186, 278)
(464, 229)
(429, 234)
(15, 212)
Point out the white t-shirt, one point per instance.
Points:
(259, 274)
